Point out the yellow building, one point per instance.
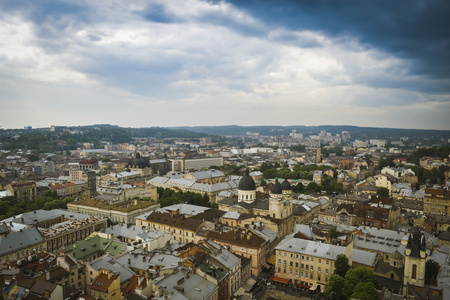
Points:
(23, 191)
(307, 262)
(106, 285)
(182, 229)
(436, 201)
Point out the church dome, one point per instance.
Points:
(285, 185)
(137, 162)
(247, 183)
(276, 188)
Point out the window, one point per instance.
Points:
(312, 258)
(285, 253)
(303, 257)
(320, 261)
(279, 270)
(326, 271)
(307, 258)
(296, 273)
(284, 262)
(319, 269)
(328, 262)
(242, 249)
(290, 272)
(279, 261)
(414, 271)
(292, 255)
(284, 271)
(251, 250)
(291, 264)
(312, 268)
(301, 274)
(296, 264)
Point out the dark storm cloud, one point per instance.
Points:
(416, 30)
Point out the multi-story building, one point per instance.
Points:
(196, 163)
(183, 230)
(244, 242)
(23, 191)
(312, 155)
(71, 231)
(124, 212)
(19, 245)
(69, 189)
(307, 262)
(106, 285)
(44, 167)
(436, 200)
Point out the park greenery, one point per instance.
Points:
(357, 283)
(168, 197)
(9, 206)
(52, 142)
(432, 176)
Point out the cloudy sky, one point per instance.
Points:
(190, 62)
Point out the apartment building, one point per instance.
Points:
(436, 200)
(183, 230)
(307, 262)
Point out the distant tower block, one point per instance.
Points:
(92, 185)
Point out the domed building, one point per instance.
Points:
(279, 205)
(140, 165)
(137, 162)
(247, 188)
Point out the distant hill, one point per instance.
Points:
(356, 132)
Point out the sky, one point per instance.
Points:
(196, 63)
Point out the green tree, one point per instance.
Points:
(263, 183)
(312, 187)
(365, 291)
(299, 188)
(333, 289)
(341, 265)
(384, 192)
(431, 271)
(355, 276)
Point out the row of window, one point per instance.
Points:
(304, 257)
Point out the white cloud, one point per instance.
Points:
(210, 71)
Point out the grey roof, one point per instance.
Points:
(108, 262)
(200, 175)
(231, 215)
(195, 286)
(385, 233)
(305, 230)
(265, 232)
(185, 209)
(379, 244)
(33, 217)
(129, 232)
(224, 256)
(257, 204)
(364, 257)
(20, 240)
(313, 248)
(164, 260)
(440, 255)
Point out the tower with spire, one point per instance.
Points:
(415, 259)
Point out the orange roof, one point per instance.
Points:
(281, 280)
(102, 282)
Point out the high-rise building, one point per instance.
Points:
(312, 155)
